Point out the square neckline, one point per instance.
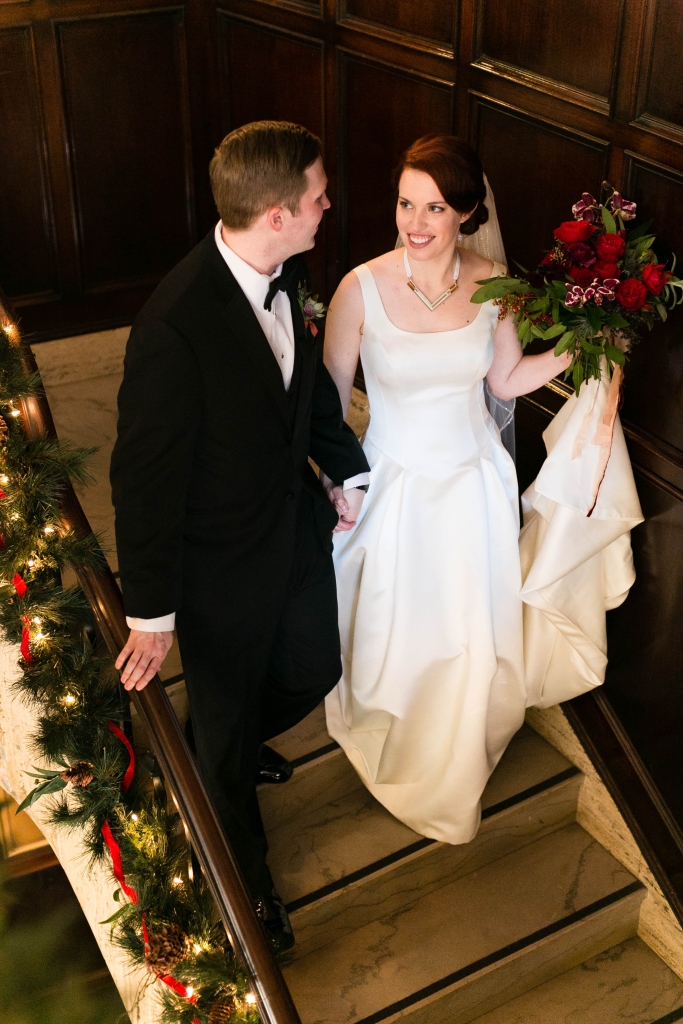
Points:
(419, 334)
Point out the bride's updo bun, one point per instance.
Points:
(457, 172)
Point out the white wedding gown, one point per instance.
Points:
(429, 581)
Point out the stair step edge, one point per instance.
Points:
(627, 899)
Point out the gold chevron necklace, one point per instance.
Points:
(420, 294)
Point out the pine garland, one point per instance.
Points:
(166, 920)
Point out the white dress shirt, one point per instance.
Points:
(278, 328)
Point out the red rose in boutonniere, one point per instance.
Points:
(655, 277)
(632, 293)
(610, 248)
(574, 231)
(603, 270)
(311, 309)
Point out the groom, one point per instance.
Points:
(223, 529)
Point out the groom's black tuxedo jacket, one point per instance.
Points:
(210, 475)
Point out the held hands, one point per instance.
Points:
(347, 503)
(143, 656)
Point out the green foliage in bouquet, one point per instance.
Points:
(595, 293)
(166, 920)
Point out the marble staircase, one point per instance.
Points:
(390, 925)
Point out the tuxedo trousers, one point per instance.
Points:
(251, 678)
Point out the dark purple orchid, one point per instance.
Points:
(582, 255)
(622, 207)
(586, 208)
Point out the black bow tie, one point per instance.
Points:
(290, 271)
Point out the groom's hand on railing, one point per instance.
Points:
(142, 657)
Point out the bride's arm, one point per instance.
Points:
(512, 374)
(343, 336)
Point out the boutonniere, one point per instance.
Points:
(311, 309)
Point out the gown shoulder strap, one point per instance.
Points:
(499, 270)
(371, 297)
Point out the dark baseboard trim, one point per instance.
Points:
(500, 954)
(422, 844)
(633, 790)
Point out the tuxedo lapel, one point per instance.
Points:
(247, 332)
(305, 355)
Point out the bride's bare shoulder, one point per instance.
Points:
(478, 266)
(388, 264)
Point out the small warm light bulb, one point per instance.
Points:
(39, 636)
(177, 880)
(197, 948)
(15, 412)
(134, 817)
(9, 329)
(190, 991)
(37, 621)
(69, 699)
(49, 529)
(250, 998)
(4, 479)
(30, 563)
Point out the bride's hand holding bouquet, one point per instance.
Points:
(594, 292)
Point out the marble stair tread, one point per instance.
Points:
(327, 841)
(528, 761)
(326, 777)
(459, 924)
(627, 983)
(323, 845)
(305, 738)
(386, 885)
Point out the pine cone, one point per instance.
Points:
(167, 948)
(222, 1010)
(80, 774)
(4, 430)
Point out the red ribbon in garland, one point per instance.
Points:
(115, 851)
(25, 636)
(130, 770)
(19, 584)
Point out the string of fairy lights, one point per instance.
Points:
(165, 919)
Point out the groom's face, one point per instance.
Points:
(300, 228)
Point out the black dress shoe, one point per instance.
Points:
(272, 767)
(270, 909)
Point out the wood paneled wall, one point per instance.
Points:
(110, 111)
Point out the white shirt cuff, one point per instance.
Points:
(356, 481)
(163, 624)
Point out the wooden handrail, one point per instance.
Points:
(222, 873)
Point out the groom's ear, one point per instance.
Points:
(274, 218)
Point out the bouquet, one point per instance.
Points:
(594, 292)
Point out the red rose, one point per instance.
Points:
(655, 277)
(610, 248)
(574, 231)
(632, 293)
(548, 258)
(604, 270)
(582, 275)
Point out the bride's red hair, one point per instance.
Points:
(456, 171)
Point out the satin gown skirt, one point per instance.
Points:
(429, 581)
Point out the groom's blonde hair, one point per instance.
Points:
(260, 165)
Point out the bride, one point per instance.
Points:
(429, 581)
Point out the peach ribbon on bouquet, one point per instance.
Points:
(604, 432)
